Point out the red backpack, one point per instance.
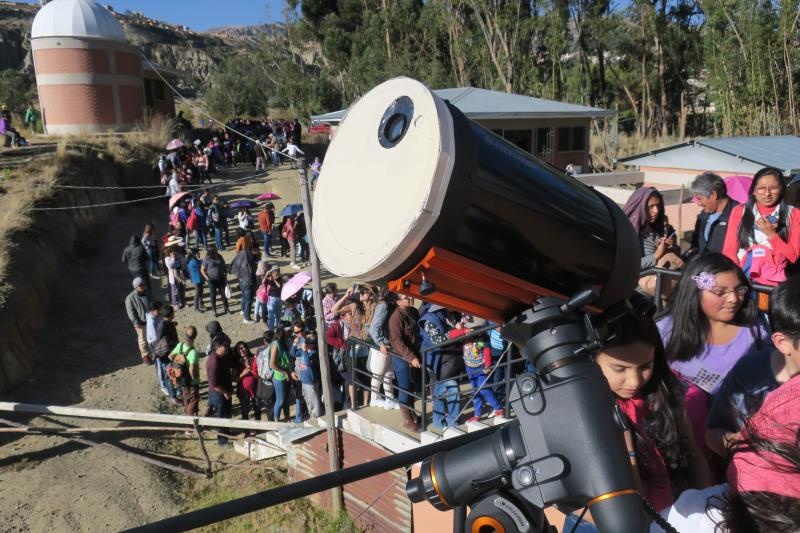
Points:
(192, 223)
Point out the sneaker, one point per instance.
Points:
(175, 401)
(248, 321)
(474, 419)
(377, 402)
(390, 403)
(165, 392)
(296, 266)
(499, 412)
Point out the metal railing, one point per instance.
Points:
(660, 273)
(510, 358)
(427, 382)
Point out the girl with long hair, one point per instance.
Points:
(247, 381)
(763, 235)
(710, 323)
(357, 307)
(663, 452)
(658, 240)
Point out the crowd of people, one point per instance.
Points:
(709, 384)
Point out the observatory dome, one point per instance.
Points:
(77, 18)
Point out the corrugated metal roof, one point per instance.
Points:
(483, 103)
(779, 151)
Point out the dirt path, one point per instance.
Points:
(90, 359)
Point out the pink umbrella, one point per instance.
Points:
(738, 187)
(175, 198)
(174, 144)
(268, 196)
(292, 286)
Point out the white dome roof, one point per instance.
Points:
(76, 18)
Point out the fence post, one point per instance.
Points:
(659, 290)
(509, 357)
(327, 396)
(423, 415)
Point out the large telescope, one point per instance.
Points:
(412, 188)
(418, 197)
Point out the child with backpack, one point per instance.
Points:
(478, 361)
(184, 371)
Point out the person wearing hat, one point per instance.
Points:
(174, 263)
(136, 306)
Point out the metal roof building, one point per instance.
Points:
(678, 164)
(556, 132)
(484, 104)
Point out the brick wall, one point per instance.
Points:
(128, 64)
(131, 100)
(71, 61)
(78, 104)
(378, 504)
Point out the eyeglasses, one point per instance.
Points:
(763, 190)
(739, 291)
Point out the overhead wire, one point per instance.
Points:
(136, 200)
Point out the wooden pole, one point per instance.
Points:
(146, 459)
(102, 414)
(327, 395)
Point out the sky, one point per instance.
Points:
(201, 15)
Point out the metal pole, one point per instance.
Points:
(423, 415)
(327, 396)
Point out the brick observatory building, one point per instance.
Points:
(89, 78)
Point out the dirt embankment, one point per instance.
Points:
(34, 245)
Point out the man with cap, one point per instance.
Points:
(446, 363)
(136, 305)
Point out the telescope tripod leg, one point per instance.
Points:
(459, 519)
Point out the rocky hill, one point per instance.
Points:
(191, 53)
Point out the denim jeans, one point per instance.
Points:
(218, 238)
(477, 378)
(446, 405)
(261, 311)
(247, 402)
(281, 390)
(304, 250)
(267, 235)
(217, 286)
(152, 261)
(222, 409)
(200, 236)
(246, 297)
(273, 312)
(402, 373)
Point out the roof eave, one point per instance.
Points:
(542, 114)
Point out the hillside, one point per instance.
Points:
(192, 53)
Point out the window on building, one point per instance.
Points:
(521, 138)
(148, 92)
(544, 141)
(159, 89)
(572, 139)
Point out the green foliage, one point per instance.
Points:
(16, 90)
(668, 66)
(238, 88)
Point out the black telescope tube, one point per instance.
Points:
(301, 489)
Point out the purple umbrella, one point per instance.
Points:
(243, 203)
(294, 285)
(738, 187)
